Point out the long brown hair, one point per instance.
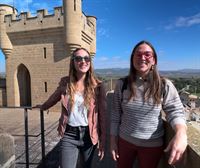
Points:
(90, 81)
(154, 88)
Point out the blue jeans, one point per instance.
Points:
(76, 140)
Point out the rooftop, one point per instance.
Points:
(12, 121)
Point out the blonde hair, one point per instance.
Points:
(90, 81)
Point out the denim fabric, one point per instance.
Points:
(73, 143)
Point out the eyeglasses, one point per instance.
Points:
(80, 58)
(146, 54)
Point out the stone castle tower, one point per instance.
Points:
(37, 49)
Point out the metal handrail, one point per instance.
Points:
(26, 108)
(42, 135)
(26, 136)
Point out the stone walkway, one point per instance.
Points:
(12, 122)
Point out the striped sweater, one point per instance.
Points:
(140, 122)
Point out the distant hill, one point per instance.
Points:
(118, 72)
(184, 73)
(112, 72)
(2, 75)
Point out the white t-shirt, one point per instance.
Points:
(78, 115)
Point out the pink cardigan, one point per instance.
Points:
(96, 113)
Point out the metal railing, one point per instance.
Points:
(26, 136)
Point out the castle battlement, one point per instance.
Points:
(26, 22)
(37, 47)
(42, 13)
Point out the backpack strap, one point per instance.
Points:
(163, 83)
(124, 85)
(97, 94)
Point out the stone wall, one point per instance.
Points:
(37, 49)
(7, 150)
(3, 101)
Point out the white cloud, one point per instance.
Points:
(175, 65)
(161, 53)
(188, 21)
(184, 22)
(149, 28)
(101, 58)
(168, 65)
(102, 29)
(42, 5)
(116, 58)
(101, 21)
(102, 32)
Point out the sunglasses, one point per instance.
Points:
(81, 59)
(146, 54)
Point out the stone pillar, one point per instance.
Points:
(7, 150)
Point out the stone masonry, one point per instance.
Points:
(37, 49)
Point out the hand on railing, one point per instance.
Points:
(40, 107)
(37, 106)
(177, 145)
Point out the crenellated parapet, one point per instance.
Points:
(79, 29)
(26, 22)
(37, 47)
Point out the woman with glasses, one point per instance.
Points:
(82, 121)
(136, 120)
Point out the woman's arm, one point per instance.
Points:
(175, 115)
(115, 120)
(102, 106)
(178, 144)
(56, 96)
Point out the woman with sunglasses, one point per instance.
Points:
(82, 121)
(136, 120)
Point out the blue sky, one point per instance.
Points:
(172, 26)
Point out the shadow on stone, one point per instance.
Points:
(52, 158)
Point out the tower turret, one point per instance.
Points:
(92, 23)
(72, 23)
(5, 43)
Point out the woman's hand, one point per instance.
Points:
(40, 107)
(101, 151)
(37, 106)
(114, 147)
(177, 145)
(60, 130)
